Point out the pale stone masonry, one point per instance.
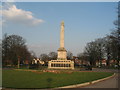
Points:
(62, 53)
(62, 35)
(61, 62)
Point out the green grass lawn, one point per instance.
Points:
(28, 79)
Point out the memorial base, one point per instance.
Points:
(60, 64)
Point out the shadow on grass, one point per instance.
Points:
(49, 82)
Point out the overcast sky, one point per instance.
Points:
(39, 23)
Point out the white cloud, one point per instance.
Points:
(9, 0)
(15, 15)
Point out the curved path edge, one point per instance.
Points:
(87, 83)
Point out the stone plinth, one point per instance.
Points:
(62, 53)
(61, 64)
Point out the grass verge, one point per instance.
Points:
(38, 79)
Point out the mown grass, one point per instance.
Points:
(28, 79)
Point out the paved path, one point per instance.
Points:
(110, 83)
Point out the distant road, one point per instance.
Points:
(110, 83)
(106, 70)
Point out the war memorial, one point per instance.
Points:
(61, 62)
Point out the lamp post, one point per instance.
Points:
(18, 61)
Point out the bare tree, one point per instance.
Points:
(14, 46)
(82, 56)
(52, 55)
(69, 55)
